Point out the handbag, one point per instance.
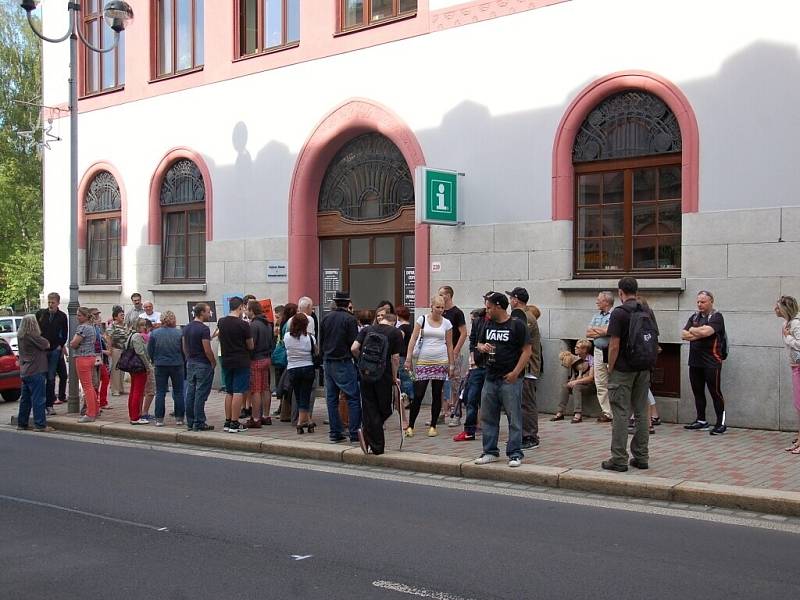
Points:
(279, 358)
(418, 346)
(316, 355)
(129, 361)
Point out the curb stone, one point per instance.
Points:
(776, 502)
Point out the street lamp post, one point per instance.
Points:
(117, 13)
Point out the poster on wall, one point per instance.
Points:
(226, 301)
(409, 287)
(331, 281)
(266, 306)
(190, 304)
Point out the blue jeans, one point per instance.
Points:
(53, 357)
(406, 385)
(199, 377)
(163, 375)
(472, 397)
(497, 393)
(32, 396)
(342, 375)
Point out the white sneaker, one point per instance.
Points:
(514, 462)
(159, 422)
(485, 459)
(454, 422)
(142, 422)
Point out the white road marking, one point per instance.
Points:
(467, 485)
(81, 512)
(413, 591)
(301, 556)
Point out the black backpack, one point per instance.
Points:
(372, 359)
(642, 351)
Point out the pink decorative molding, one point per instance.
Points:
(154, 220)
(349, 120)
(591, 96)
(83, 187)
(482, 10)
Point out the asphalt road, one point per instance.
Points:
(84, 520)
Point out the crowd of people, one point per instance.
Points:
(374, 362)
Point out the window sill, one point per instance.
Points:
(167, 76)
(178, 287)
(598, 285)
(104, 92)
(101, 287)
(267, 51)
(387, 21)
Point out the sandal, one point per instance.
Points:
(796, 450)
(577, 418)
(558, 417)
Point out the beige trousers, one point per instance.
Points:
(601, 381)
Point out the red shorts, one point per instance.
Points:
(259, 375)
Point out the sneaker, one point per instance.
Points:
(159, 422)
(610, 465)
(179, 422)
(203, 427)
(60, 402)
(45, 429)
(432, 432)
(337, 439)
(253, 424)
(236, 427)
(147, 417)
(51, 411)
(115, 394)
(227, 426)
(276, 413)
(485, 459)
(243, 413)
(514, 462)
(718, 430)
(639, 464)
(655, 420)
(362, 441)
(266, 420)
(141, 421)
(697, 426)
(464, 437)
(409, 432)
(530, 444)
(454, 422)
(86, 419)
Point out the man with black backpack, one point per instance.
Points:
(377, 350)
(632, 353)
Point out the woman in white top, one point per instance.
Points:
(300, 347)
(434, 355)
(787, 309)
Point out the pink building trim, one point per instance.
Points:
(154, 220)
(349, 120)
(591, 96)
(83, 187)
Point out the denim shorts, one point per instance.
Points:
(236, 381)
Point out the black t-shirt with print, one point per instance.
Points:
(508, 339)
(395, 345)
(705, 352)
(233, 336)
(456, 317)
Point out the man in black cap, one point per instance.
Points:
(338, 331)
(508, 346)
(530, 414)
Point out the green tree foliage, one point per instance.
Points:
(20, 165)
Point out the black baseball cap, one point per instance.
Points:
(520, 293)
(497, 298)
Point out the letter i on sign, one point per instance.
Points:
(440, 197)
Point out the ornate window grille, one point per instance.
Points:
(102, 208)
(183, 222)
(368, 179)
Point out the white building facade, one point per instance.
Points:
(597, 137)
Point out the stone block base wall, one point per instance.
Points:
(745, 257)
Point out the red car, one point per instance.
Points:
(10, 382)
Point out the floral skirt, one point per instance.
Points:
(427, 372)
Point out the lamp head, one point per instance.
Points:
(117, 14)
(29, 5)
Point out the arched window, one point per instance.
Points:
(102, 206)
(627, 162)
(183, 224)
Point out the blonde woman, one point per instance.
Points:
(33, 352)
(434, 361)
(787, 309)
(82, 345)
(581, 381)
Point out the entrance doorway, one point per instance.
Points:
(365, 223)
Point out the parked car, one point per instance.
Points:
(10, 382)
(8, 330)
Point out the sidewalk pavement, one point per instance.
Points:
(743, 469)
